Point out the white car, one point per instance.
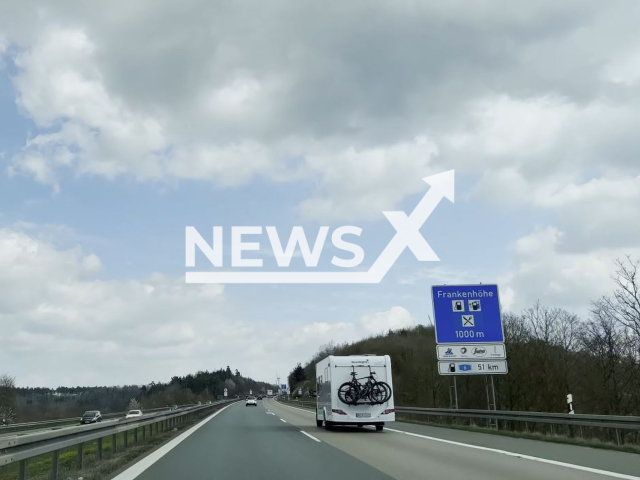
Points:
(251, 402)
(134, 413)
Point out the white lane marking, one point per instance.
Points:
(309, 435)
(283, 421)
(297, 408)
(520, 455)
(135, 470)
(504, 452)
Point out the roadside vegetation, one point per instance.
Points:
(30, 404)
(551, 353)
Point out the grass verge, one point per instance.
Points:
(545, 437)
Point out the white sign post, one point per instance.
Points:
(225, 392)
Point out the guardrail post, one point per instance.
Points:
(126, 438)
(144, 432)
(79, 458)
(114, 443)
(135, 436)
(54, 466)
(100, 449)
(23, 470)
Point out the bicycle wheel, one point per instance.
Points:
(388, 391)
(377, 394)
(348, 394)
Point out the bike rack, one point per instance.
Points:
(370, 377)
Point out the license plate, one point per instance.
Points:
(363, 415)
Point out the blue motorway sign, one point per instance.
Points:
(467, 314)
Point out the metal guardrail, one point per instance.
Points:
(17, 427)
(20, 448)
(615, 423)
(603, 421)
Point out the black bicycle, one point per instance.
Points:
(371, 391)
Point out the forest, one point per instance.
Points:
(551, 353)
(34, 404)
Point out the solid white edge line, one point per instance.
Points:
(504, 452)
(135, 470)
(521, 455)
(310, 436)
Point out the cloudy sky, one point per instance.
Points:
(121, 123)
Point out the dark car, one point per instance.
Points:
(92, 416)
(259, 397)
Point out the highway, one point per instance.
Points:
(278, 441)
(20, 433)
(108, 419)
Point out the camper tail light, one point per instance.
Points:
(338, 411)
(388, 411)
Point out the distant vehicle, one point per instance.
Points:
(269, 393)
(251, 402)
(208, 403)
(354, 390)
(199, 403)
(259, 397)
(173, 407)
(90, 416)
(133, 413)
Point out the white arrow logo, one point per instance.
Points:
(407, 235)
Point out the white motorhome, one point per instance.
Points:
(336, 371)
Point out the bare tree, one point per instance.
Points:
(624, 305)
(542, 322)
(610, 345)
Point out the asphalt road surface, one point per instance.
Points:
(281, 442)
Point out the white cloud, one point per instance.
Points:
(393, 319)
(504, 126)
(624, 68)
(533, 104)
(363, 120)
(134, 331)
(544, 270)
(361, 183)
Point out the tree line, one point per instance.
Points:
(551, 353)
(26, 404)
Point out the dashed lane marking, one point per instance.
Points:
(309, 435)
